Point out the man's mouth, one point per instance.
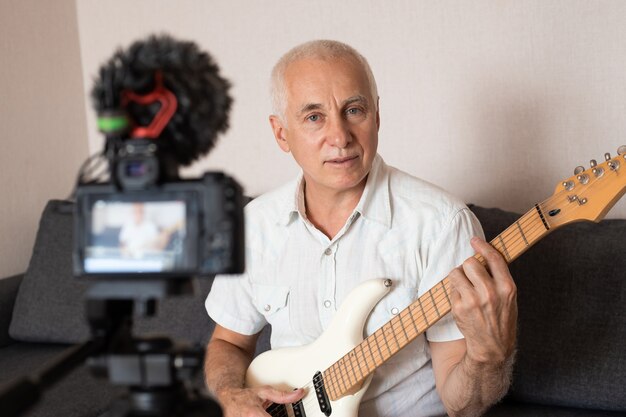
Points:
(342, 160)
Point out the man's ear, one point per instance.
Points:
(378, 114)
(279, 132)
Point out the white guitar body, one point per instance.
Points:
(294, 367)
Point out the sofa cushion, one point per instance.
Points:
(50, 305)
(8, 291)
(572, 319)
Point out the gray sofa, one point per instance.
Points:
(572, 321)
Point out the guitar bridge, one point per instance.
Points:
(322, 396)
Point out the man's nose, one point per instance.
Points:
(338, 134)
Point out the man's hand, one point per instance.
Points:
(473, 373)
(228, 356)
(252, 402)
(484, 305)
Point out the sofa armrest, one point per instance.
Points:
(8, 292)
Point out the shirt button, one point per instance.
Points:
(327, 303)
(394, 311)
(328, 251)
(268, 307)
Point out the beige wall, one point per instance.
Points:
(42, 121)
(497, 101)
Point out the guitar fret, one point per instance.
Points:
(364, 359)
(385, 338)
(369, 345)
(329, 377)
(417, 330)
(395, 337)
(378, 346)
(543, 219)
(406, 335)
(356, 378)
(522, 232)
(343, 381)
(446, 291)
(432, 297)
(419, 300)
(506, 252)
(358, 362)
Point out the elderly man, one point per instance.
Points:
(348, 218)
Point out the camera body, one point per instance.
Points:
(139, 226)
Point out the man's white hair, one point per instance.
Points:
(317, 49)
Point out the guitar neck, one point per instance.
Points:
(348, 373)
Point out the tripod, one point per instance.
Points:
(156, 372)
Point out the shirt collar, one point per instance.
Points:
(374, 203)
(293, 203)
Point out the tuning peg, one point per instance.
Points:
(621, 150)
(607, 156)
(593, 163)
(578, 169)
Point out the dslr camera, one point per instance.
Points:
(160, 105)
(135, 225)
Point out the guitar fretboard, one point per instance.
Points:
(348, 373)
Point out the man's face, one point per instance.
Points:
(138, 213)
(330, 123)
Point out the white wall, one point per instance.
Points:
(497, 101)
(42, 122)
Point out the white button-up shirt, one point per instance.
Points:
(403, 228)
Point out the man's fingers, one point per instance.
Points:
(495, 261)
(280, 397)
(497, 265)
(460, 283)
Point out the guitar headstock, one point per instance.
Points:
(590, 193)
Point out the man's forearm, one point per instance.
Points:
(471, 388)
(225, 366)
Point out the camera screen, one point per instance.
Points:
(136, 236)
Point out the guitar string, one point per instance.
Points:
(537, 224)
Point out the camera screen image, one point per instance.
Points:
(136, 237)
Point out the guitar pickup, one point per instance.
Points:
(298, 409)
(322, 396)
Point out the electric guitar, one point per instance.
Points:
(337, 368)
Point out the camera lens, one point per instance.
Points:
(136, 169)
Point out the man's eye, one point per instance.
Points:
(313, 118)
(353, 111)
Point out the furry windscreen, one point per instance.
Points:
(191, 74)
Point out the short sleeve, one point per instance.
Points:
(230, 304)
(450, 249)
